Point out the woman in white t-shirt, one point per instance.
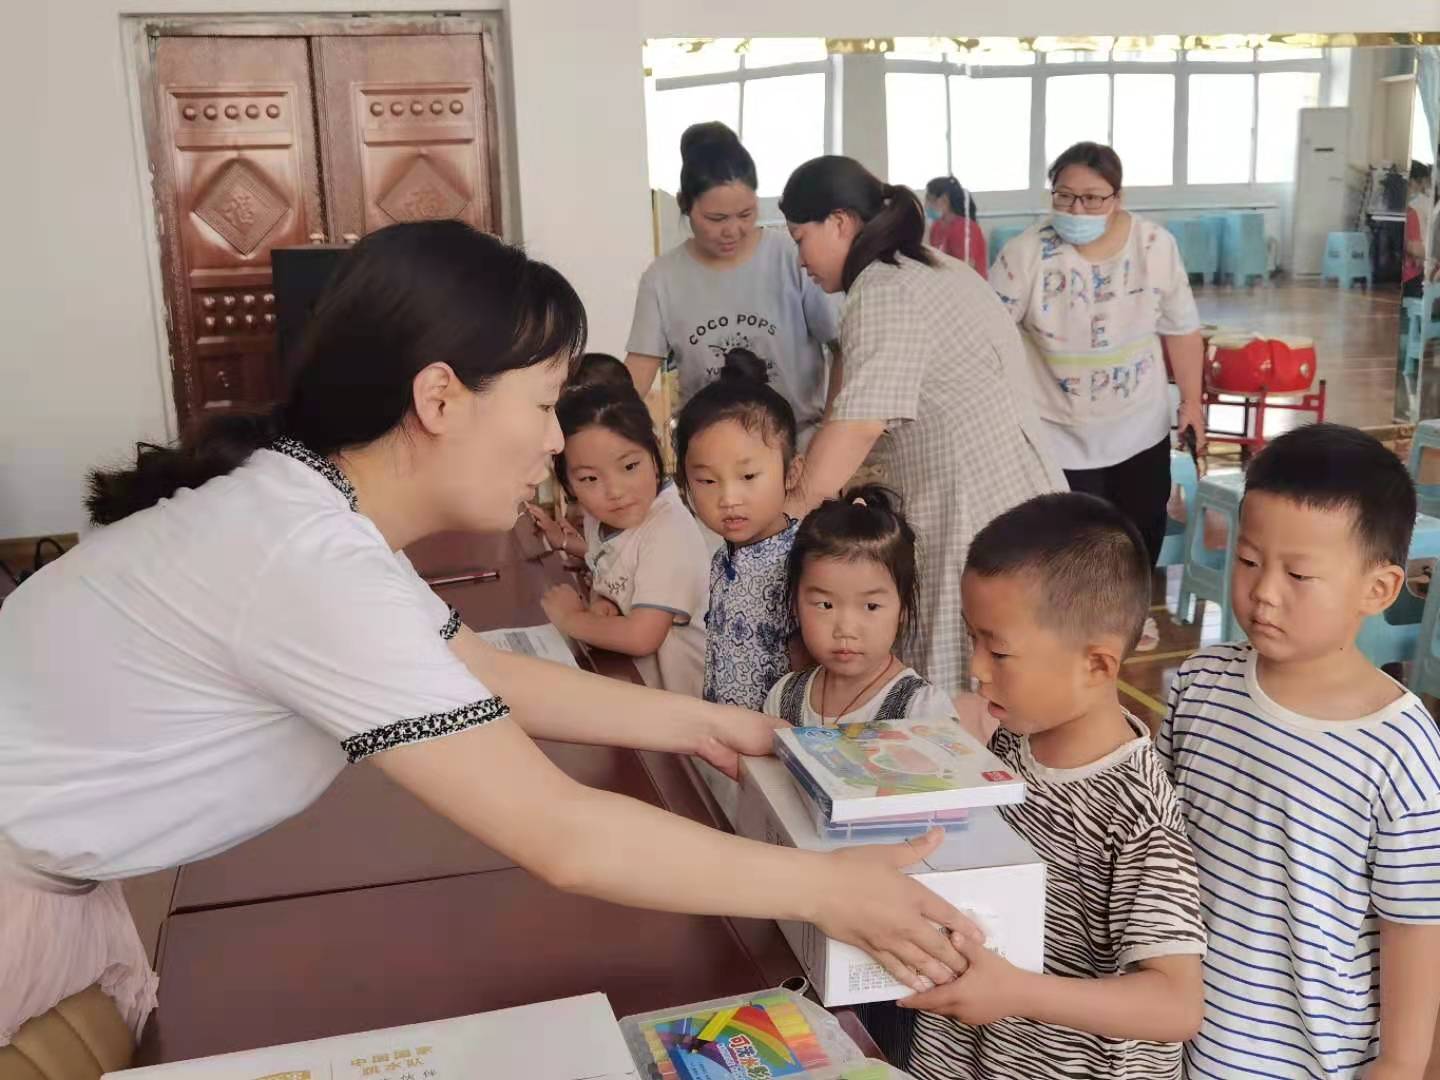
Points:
(1102, 297)
(733, 285)
(245, 624)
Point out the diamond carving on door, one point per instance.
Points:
(422, 194)
(241, 206)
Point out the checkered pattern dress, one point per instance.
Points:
(932, 352)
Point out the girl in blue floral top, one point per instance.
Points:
(735, 451)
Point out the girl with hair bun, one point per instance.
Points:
(935, 366)
(731, 285)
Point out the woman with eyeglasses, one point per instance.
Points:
(1102, 297)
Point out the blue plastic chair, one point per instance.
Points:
(1206, 574)
(1215, 226)
(1426, 437)
(1243, 254)
(1183, 476)
(1000, 236)
(1426, 676)
(1347, 258)
(1198, 244)
(1393, 636)
(1421, 326)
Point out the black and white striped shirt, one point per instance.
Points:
(1120, 889)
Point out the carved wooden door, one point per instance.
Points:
(236, 176)
(408, 127)
(241, 130)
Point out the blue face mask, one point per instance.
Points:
(1080, 229)
(932, 213)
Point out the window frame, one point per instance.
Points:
(829, 67)
(1181, 68)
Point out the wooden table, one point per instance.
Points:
(368, 910)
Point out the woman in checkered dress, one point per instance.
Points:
(934, 380)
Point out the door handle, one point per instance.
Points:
(350, 237)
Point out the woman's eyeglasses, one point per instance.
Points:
(1064, 200)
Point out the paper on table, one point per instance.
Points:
(571, 1039)
(543, 641)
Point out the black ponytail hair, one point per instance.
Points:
(403, 298)
(711, 155)
(742, 393)
(962, 203)
(618, 410)
(864, 523)
(892, 219)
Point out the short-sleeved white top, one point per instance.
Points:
(1096, 327)
(194, 674)
(661, 563)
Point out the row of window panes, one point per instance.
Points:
(990, 126)
(783, 124)
(1012, 57)
(668, 60)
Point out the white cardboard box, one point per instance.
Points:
(985, 870)
(571, 1039)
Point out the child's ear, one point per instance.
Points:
(795, 475)
(1103, 660)
(1381, 588)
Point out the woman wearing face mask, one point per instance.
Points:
(950, 209)
(1417, 231)
(733, 285)
(1102, 296)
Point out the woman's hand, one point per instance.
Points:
(734, 732)
(1191, 414)
(604, 607)
(991, 988)
(865, 901)
(560, 602)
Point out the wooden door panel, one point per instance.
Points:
(236, 177)
(401, 147)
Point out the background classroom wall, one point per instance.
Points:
(83, 374)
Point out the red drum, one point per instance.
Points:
(1239, 365)
(1292, 365)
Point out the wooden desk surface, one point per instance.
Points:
(368, 910)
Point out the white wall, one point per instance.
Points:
(82, 369)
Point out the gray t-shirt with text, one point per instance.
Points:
(695, 314)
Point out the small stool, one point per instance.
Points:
(1198, 244)
(1207, 573)
(1393, 636)
(1419, 325)
(1184, 476)
(1426, 437)
(1347, 258)
(1243, 254)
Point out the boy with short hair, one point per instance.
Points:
(1310, 782)
(1055, 593)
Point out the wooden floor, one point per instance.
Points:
(1356, 334)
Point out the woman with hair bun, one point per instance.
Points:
(733, 285)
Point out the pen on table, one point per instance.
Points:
(464, 579)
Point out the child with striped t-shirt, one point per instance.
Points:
(1055, 593)
(1310, 782)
